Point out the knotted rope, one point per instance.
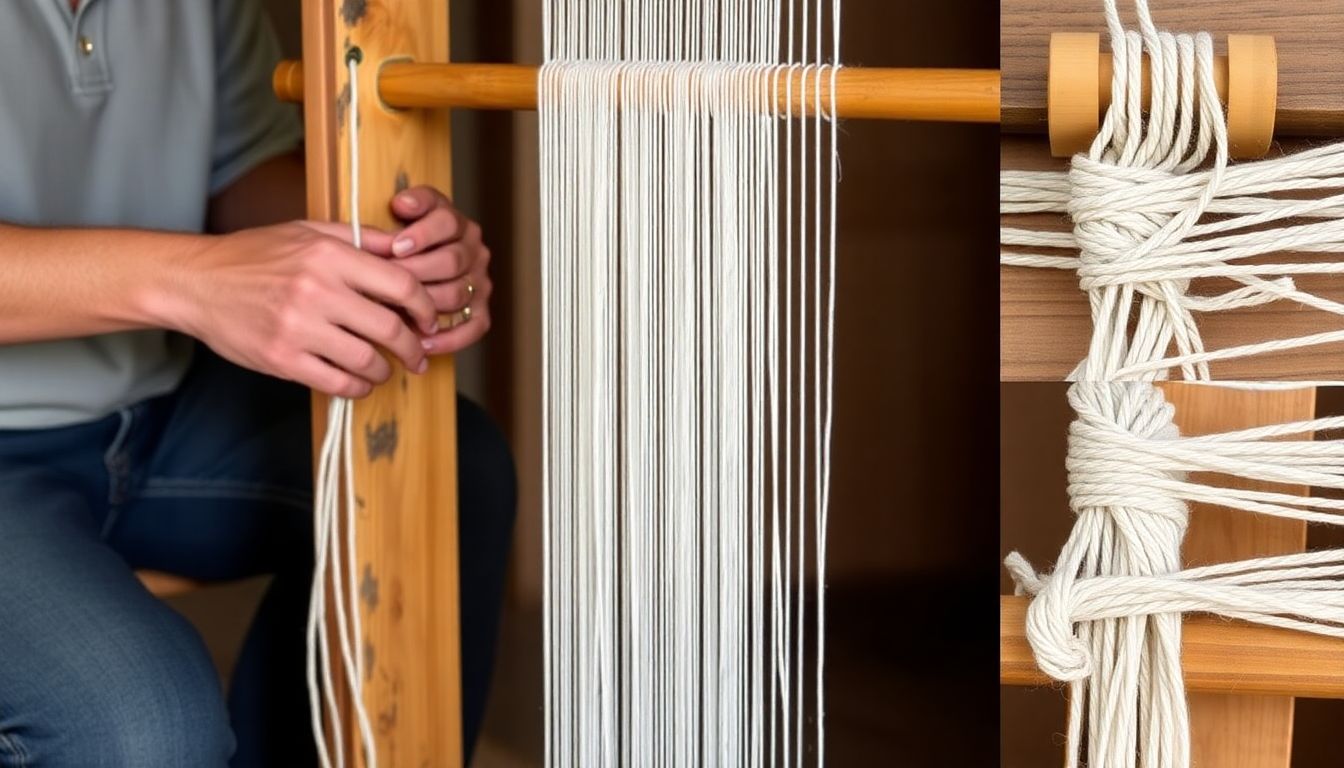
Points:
(1106, 621)
(1148, 218)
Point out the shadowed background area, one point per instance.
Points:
(911, 650)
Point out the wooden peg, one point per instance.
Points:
(1079, 91)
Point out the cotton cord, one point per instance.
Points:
(689, 270)
(334, 565)
(1107, 620)
(1149, 218)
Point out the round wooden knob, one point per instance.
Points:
(1252, 93)
(1073, 99)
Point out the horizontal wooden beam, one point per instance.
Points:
(951, 95)
(1308, 36)
(1217, 655)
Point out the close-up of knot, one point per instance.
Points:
(1128, 223)
(1050, 626)
(1115, 461)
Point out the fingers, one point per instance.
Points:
(469, 329)
(460, 336)
(372, 239)
(390, 284)
(438, 225)
(350, 353)
(322, 376)
(452, 296)
(411, 204)
(448, 262)
(377, 324)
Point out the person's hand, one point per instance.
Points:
(443, 248)
(298, 301)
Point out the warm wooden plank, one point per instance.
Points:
(167, 584)
(1234, 730)
(405, 444)
(1045, 323)
(953, 95)
(1308, 36)
(1216, 655)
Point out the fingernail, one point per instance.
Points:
(424, 366)
(402, 245)
(434, 327)
(427, 345)
(407, 200)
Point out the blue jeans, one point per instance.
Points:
(212, 482)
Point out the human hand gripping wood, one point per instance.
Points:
(298, 301)
(443, 248)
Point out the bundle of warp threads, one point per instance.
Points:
(688, 275)
(1155, 205)
(1107, 620)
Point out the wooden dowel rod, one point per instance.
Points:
(1216, 655)
(952, 95)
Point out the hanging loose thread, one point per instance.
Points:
(689, 270)
(334, 564)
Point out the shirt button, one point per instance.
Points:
(85, 45)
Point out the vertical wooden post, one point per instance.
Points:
(1231, 730)
(405, 443)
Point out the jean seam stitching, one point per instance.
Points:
(117, 444)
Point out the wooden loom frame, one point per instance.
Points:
(405, 436)
(417, 718)
(405, 442)
(405, 446)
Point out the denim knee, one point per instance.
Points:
(159, 713)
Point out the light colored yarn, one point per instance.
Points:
(1107, 620)
(1137, 201)
(688, 258)
(334, 564)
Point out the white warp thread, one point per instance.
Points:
(688, 257)
(1107, 620)
(333, 564)
(1141, 217)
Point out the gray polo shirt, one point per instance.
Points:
(126, 113)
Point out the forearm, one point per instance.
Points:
(69, 283)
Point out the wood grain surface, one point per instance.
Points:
(1240, 730)
(405, 442)
(1217, 655)
(1308, 36)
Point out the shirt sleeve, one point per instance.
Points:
(251, 124)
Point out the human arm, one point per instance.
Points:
(446, 250)
(293, 300)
